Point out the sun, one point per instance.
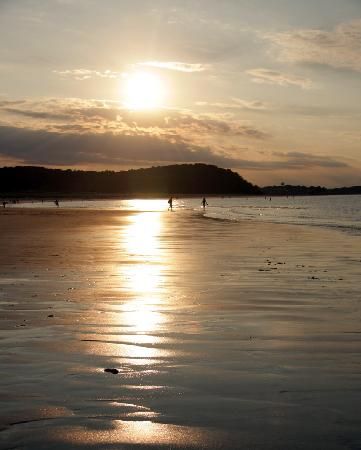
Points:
(143, 90)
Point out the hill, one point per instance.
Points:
(187, 179)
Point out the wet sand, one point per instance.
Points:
(224, 335)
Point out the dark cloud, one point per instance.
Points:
(300, 160)
(290, 161)
(73, 132)
(67, 149)
(5, 103)
(70, 148)
(36, 114)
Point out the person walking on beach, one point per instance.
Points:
(204, 203)
(56, 203)
(170, 203)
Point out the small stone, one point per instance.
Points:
(113, 371)
(51, 315)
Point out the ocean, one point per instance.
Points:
(342, 211)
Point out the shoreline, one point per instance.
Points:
(343, 228)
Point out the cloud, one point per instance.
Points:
(338, 48)
(237, 103)
(83, 133)
(36, 114)
(212, 124)
(86, 74)
(97, 117)
(297, 161)
(5, 103)
(175, 65)
(67, 149)
(79, 132)
(274, 77)
(108, 149)
(300, 160)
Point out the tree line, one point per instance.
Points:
(187, 179)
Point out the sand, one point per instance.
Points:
(224, 335)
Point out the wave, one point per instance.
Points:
(351, 228)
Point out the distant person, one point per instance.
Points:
(170, 203)
(4, 204)
(56, 203)
(204, 203)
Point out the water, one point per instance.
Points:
(343, 212)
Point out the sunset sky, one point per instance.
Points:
(269, 88)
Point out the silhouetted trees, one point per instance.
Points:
(188, 179)
(287, 189)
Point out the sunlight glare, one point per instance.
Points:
(142, 317)
(142, 235)
(143, 90)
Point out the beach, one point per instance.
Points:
(221, 334)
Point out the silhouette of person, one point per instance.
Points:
(56, 203)
(204, 202)
(170, 203)
(4, 204)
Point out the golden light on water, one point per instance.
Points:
(139, 433)
(140, 309)
(142, 236)
(146, 205)
(143, 276)
(143, 280)
(142, 317)
(143, 90)
(142, 305)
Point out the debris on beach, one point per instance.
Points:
(113, 371)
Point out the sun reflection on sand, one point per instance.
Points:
(142, 317)
(142, 432)
(141, 237)
(145, 205)
(142, 280)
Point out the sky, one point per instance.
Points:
(268, 88)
